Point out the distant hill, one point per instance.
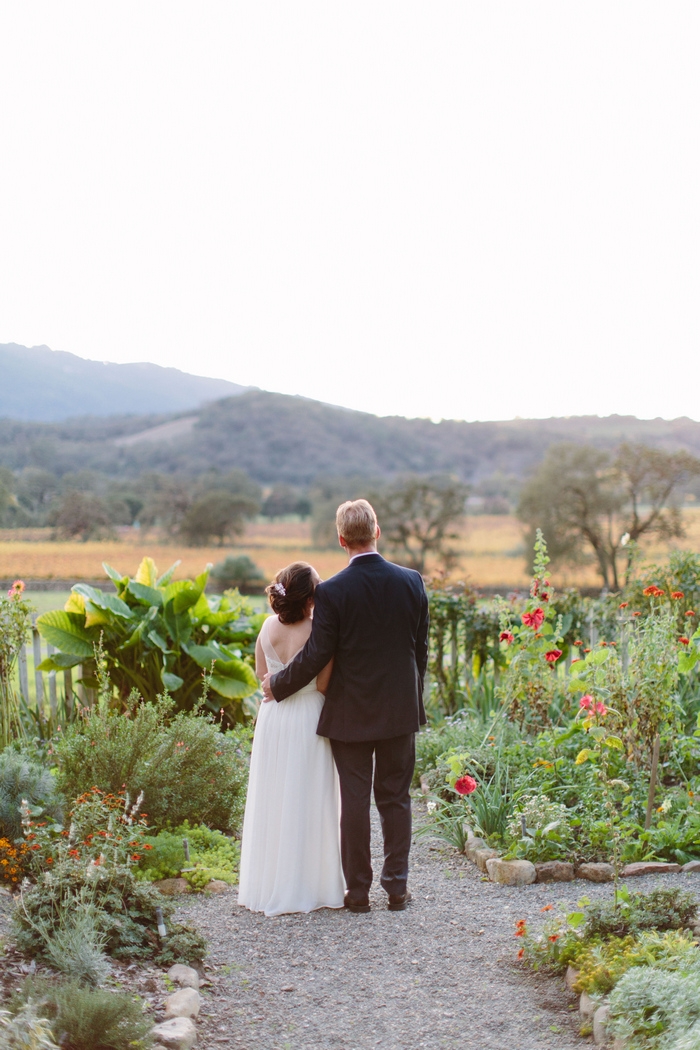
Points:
(45, 385)
(279, 438)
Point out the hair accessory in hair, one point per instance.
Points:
(280, 589)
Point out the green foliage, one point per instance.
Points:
(237, 571)
(463, 637)
(660, 909)
(76, 946)
(649, 1007)
(601, 965)
(218, 513)
(90, 1019)
(540, 829)
(15, 621)
(158, 634)
(186, 768)
(25, 1030)
(22, 778)
(212, 856)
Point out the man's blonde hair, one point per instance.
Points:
(356, 522)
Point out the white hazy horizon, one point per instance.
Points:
(448, 211)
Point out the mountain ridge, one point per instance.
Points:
(42, 385)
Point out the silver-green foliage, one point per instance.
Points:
(25, 1030)
(76, 947)
(649, 1007)
(21, 778)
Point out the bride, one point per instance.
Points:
(290, 854)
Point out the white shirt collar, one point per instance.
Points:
(362, 554)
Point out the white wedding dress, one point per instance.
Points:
(290, 854)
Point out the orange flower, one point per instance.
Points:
(690, 612)
(683, 640)
(554, 937)
(521, 953)
(547, 907)
(677, 595)
(623, 605)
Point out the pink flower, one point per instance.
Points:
(586, 702)
(600, 708)
(16, 589)
(506, 636)
(534, 619)
(552, 656)
(465, 785)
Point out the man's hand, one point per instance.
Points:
(267, 692)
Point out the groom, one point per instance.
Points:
(371, 619)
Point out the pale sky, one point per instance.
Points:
(455, 209)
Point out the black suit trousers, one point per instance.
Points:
(392, 762)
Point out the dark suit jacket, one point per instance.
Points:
(373, 619)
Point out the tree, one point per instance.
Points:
(80, 515)
(282, 500)
(582, 497)
(416, 515)
(218, 513)
(237, 571)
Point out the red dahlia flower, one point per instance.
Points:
(465, 785)
(506, 636)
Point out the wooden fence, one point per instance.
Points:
(50, 693)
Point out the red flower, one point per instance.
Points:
(136, 856)
(623, 605)
(586, 702)
(636, 614)
(683, 640)
(146, 846)
(534, 619)
(73, 853)
(554, 937)
(521, 953)
(690, 612)
(506, 636)
(578, 642)
(677, 594)
(544, 597)
(586, 650)
(547, 907)
(465, 785)
(577, 660)
(552, 656)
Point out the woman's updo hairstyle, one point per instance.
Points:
(291, 590)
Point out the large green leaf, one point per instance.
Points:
(145, 595)
(109, 602)
(59, 662)
(172, 682)
(233, 679)
(204, 655)
(115, 577)
(167, 576)
(65, 632)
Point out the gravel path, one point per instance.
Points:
(439, 975)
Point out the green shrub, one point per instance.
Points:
(649, 1007)
(22, 778)
(661, 909)
(159, 634)
(25, 1030)
(90, 1019)
(186, 768)
(601, 966)
(212, 856)
(124, 911)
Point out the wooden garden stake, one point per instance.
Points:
(652, 781)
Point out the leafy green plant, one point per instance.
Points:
(15, 621)
(159, 634)
(650, 1006)
(26, 1030)
(212, 856)
(237, 570)
(540, 829)
(186, 768)
(22, 778)
(601, 965)
(90, 1019)
(660, 909)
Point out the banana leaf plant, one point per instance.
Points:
(160, 634)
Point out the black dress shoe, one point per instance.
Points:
(398, 901)
(360, 905)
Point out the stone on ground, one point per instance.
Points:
(217, 886)
(511, 872)
(183, 1003)
(692, 865)
(176, 1034)
(173, 887)
(600, 1020)
(473, 844)
(554, 871)
(586, 1007)
(596, 872)
(571, 978)
(650, 867)
(481, 856)
(185, 976)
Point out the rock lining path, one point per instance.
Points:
(442, 974)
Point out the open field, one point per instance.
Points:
(492, 553)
